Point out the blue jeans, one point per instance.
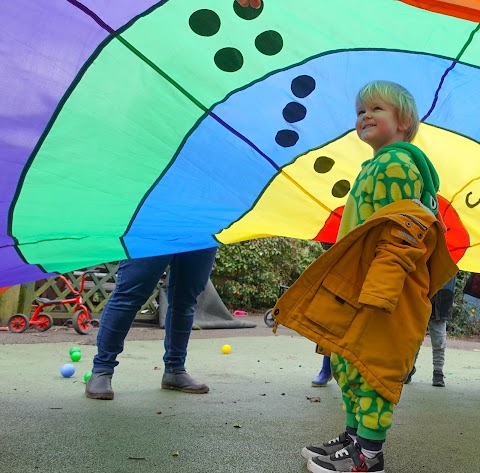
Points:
(136, 280)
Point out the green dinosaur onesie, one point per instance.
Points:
(398, 171)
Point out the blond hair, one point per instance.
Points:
(397, 96)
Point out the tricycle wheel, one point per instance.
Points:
(82, 322)
(18, 323)
(43, 323)
(268, 319)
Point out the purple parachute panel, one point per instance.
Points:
(43, 46)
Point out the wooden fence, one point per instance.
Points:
(98, 286)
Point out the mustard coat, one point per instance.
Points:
(367, 298)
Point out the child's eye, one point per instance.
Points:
(360, 112)
(378, 108)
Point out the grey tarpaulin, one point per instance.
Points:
(210, 312)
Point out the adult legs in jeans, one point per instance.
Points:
(136, 280)
(189, 274)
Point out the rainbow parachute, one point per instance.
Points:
(137, 128)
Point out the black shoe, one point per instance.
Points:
(182, 381)
(327, 448)
(99, 386)
(409, 378)
(437, 379)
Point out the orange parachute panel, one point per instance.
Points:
(465, 9)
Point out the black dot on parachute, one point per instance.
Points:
(269, 43)
(294, 112)
(229, 59)
(204, 22)
(302, 86)
(287, 138)
(248, 13)
(323, 164)
(341, 188)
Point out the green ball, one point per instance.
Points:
(87, 376)
(74, 349)
(76, 356)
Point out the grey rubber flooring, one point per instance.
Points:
(258, 415)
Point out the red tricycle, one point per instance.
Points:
(42, 321)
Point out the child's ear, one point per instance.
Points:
(405, 125)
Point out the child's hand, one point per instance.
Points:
(252, 3)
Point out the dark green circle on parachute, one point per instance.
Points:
(269, 43)
(204, 22)
(248, 13)
(229, 59)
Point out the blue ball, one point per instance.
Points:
(67, 370)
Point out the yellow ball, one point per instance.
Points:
(226, 349)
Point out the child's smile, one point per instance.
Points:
(377, 124)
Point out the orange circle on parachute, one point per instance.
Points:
(457, 236)
(329, 232)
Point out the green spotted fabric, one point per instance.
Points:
(366, 411)
(398, 171)
(431, 182)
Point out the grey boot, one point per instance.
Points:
(182, 381)
(437, 379)
(99, 386)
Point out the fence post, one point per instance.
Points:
(26, 298)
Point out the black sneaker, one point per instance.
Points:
(437, 379)
(328, 448)
(348, 459)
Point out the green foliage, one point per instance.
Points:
(463, 323)
(247, 275)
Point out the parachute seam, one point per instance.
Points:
(447, 71)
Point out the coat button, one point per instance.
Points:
(408, 224)
(276, 312)
(420, 235)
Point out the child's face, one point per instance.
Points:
(377, 124)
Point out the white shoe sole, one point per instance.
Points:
(314, 468)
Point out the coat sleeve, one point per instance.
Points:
(396, 255)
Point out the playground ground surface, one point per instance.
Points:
(260, 412)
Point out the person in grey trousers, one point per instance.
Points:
(442, 309)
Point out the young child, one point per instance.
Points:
(387, 120)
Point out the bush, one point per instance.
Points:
(247, 275)
(462, 324)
